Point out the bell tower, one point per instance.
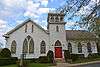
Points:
(55, 18)
(56, 28)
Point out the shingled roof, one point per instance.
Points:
(79, 34)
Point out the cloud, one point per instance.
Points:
(19, 21)
(44, 2)
(12, 9)
(2, 30)
(70, 23)
(2, 24)
(43, 10)
(31, 9)
(52, 9)
(36, 9)
(31, 5)
(30, 14)
(13, 3)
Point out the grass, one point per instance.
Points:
(86, 60)
(30, 65)
(38, 65)
(9, 66)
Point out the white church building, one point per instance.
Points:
(35, 41)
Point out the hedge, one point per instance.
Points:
(43, 59)
(7, 61)
(75, 57)
(94, 55)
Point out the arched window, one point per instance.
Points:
(57, 43)
(28, 45)
(13, 47)
(89, 47)
(31, 46)
(43, 47)
(79, 48)
(25, 46)
(57, 28)
(70, 47)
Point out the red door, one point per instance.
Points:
(58, 52)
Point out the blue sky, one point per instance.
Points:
(14, 12)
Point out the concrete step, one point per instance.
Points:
(59, 60)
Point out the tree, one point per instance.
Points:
(84, 10)
(5, 53)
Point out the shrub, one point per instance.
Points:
(8, 61)
(50, 56)
(80, 56)
(43, 59)
(35, 60)
(67, 55)
(75, 57)
(29, 60)
(94, 55)
(5, 53)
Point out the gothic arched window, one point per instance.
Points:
(28, 45)
(70, 47)
(57, 43)
(25, 46)
(31, 46)
(79, 48)
(43, 47)
(89, 47)
(13, 47)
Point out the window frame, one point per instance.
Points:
(79, 47)
(28, 39)
(89, 48)
(70, 47)
(43, 47)
(13, 47)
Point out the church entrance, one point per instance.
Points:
(58, 49)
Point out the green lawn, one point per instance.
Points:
(38, 65)
(86, 60)
(9, 66)
(30, 65)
